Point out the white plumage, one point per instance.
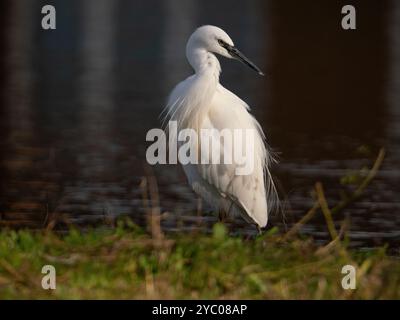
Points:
(201, 102)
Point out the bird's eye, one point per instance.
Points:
(221, 42)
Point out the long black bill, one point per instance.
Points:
(235, 53)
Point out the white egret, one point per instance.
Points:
(201, 102)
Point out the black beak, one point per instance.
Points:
(236, 54)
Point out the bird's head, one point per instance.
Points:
(216, 40)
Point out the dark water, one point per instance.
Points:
(77, 103)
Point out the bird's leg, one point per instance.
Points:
(251, 236)
(221, 215)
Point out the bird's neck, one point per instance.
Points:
(204, 63)
(196, 100)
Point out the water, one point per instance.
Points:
(77, 103)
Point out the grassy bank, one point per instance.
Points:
(128, 263)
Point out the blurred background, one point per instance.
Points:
(77, 102)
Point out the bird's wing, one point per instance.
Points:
(247, 192)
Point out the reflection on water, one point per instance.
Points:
(78, 101)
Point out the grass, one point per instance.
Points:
(128, 262)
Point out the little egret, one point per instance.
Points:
(201, 102)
